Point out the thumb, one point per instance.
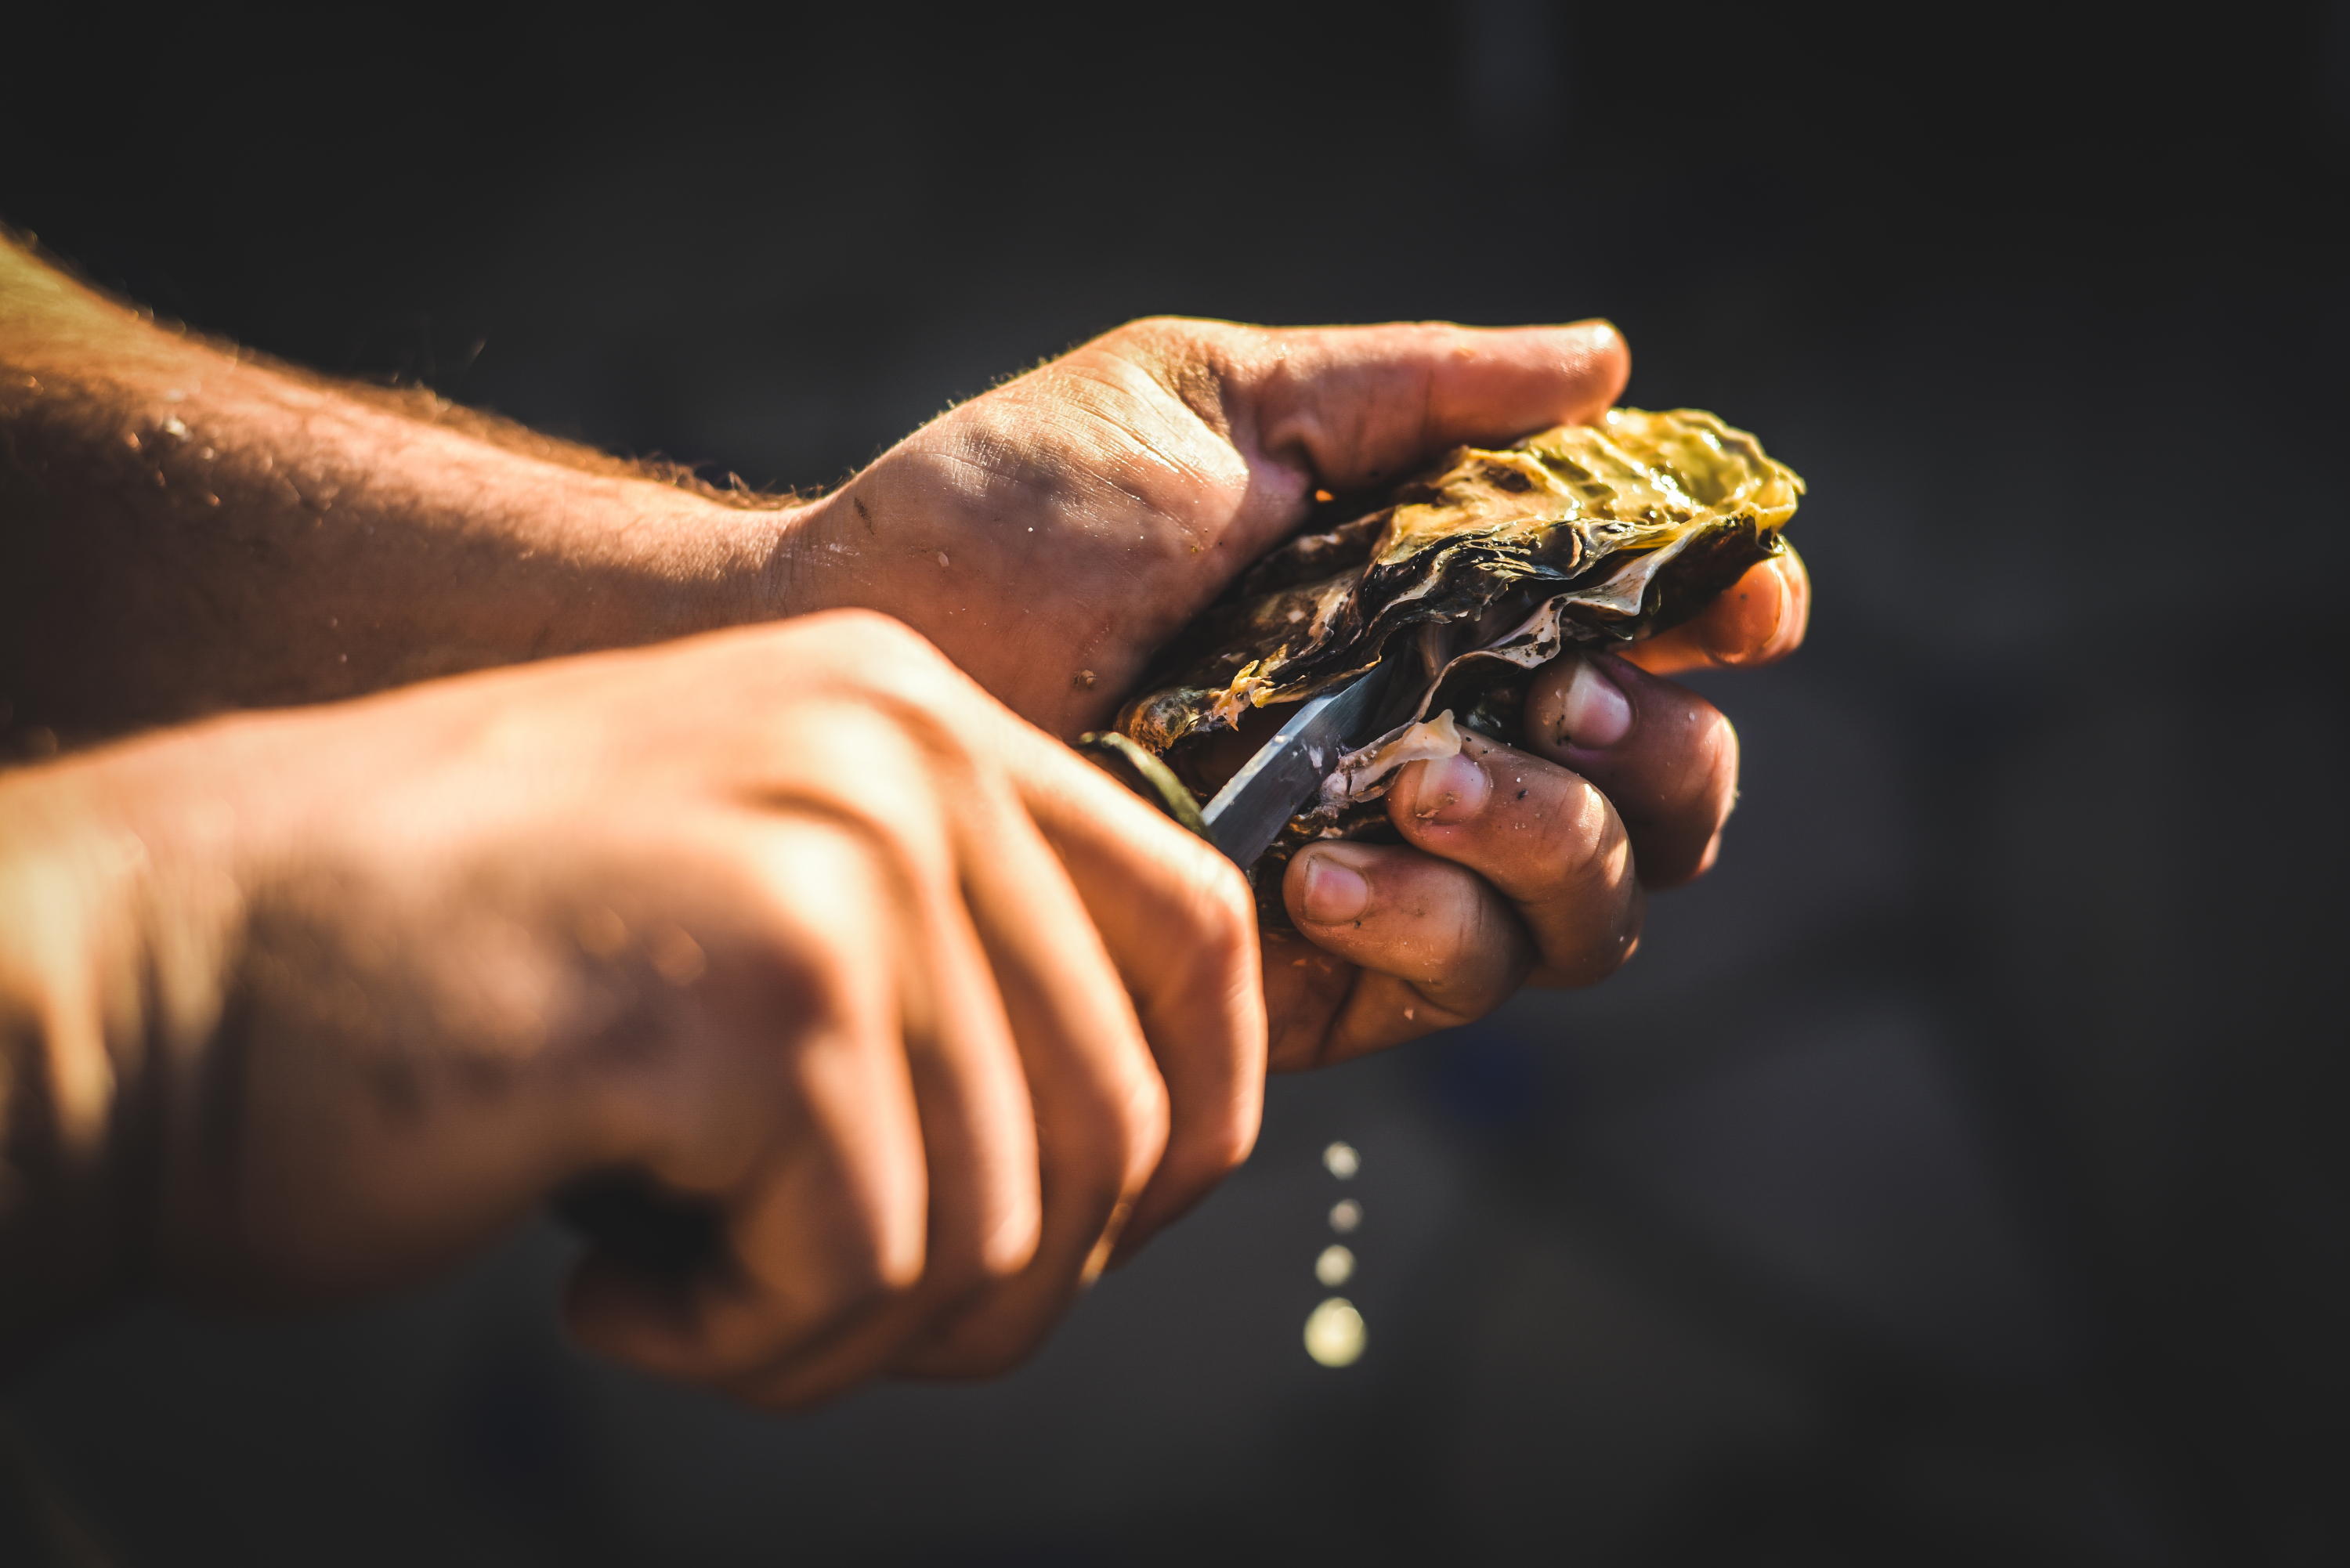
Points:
(1359, 406)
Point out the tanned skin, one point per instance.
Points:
(419, 840)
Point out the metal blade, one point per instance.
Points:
(1248, 812)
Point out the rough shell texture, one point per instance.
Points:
(1481, 570)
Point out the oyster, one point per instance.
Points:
(1474, 575)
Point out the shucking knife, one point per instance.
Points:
(1247, 815)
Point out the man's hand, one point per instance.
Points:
(798, 922)
(1515, 865)
(1052, 534)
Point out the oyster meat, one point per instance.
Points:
(1474, 575)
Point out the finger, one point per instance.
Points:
(810, 1148)
(1359, 406)
(1759, 619)
(1179, 922)
(1100, 1105)
(1352, 407)
(1665, 757)
(1439, 944)
(980, 1142)
(1305, 989)
(1545, 838)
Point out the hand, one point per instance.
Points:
(1516, 864)
(797, 922)
(1051, 534)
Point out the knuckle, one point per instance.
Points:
(1011, 1245)
(1192, 357)
(1231, 907)
(1706, 745)
(1579, 843)
(1602, 951)
(1507, 954)
(901, 1256)
(849, 858)
(914, 684)
(1224, 911)
(1215, 1147)
(1161, 330)
(1598, 851)
(870, 655)
(1140, 1130)
(852, 855)
(997, 1247)
(873, 1264)
(1121, 1138)
(1108, 1150)
(1610, 956)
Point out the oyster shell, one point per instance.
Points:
(1478, 571)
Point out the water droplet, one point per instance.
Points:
(1335, 1267)
(1341, 1161)
(1333, 1333)
(1344, 1215)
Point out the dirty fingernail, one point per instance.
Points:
(1450, 789)
(1334, 891)
(1593, 713)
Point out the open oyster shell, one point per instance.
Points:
(1476, 573)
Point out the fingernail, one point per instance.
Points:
(1450, 789)
(1334, 891)
(1593, 713)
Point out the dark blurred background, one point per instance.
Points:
(1954, 1177)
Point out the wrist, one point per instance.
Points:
(811, 563)
(740, 557)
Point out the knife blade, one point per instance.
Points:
(1246, 815)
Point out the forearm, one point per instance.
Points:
(182, 529)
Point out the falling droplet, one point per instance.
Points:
(1344, 1215)
(1341, 1161)
(1334, 1333)
(1335, 1267)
